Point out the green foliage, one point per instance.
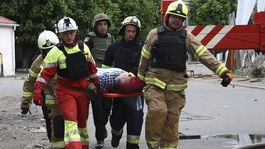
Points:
(211, 12)
(34, 16)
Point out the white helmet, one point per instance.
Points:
(66, 24)
(47, 40)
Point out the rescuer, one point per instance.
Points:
(51, 111)
(98, 41)
(73, 63)
(162, 67)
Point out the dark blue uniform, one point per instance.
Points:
(126, 55)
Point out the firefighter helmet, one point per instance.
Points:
(132, 20)
(47, 39)
(177, 8)
(66, 24)
(100, 17)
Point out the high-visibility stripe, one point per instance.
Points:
(93, 75)
(84, 136)
(141, 77)
(27, 94)
(133, 139)
(50, 101)
(33, 74)
(153, 144)
(145, 53)
(168, 147)
(199, 52)
(117, 132)
(220, 70)
(131, 74)
(106, 66)
(47, 65)
(40, 79)
(156, 82)
(177, 87)
(59, 144)
(71, 132)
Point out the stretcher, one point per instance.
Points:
(111, 95)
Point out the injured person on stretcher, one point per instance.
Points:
(115, 80)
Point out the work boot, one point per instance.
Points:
(100, 144)
(115, 142)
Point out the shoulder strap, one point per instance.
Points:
(81, 46)
(160, 29)
(61, 47)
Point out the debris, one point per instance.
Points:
(255, 80)
(242, 80)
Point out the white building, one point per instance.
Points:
(7, 46)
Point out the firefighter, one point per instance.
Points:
(75, 68)
(52, 114)
(162, 67)
(98, 41)
(125, 54)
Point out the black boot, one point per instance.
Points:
(100, 144)
(115, 141)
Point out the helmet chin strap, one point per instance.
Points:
(70, 45)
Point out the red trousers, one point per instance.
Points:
(74, 107)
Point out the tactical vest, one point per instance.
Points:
(76, 64)
(100, 47)
(126, 57)
(169, 51)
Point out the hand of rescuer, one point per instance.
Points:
(37, 97)
(227, 78)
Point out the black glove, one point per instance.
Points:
(227, 78)
(24, 110)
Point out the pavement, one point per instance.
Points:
(198, 141)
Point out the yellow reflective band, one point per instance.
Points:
(84, 136)
(156, 82)
(199, 52)
(105, 66)
(131, 74)
(177, 87)
(59, 144)
(168, 147)
(71, 132)
(221, 69)
(141, 77)
(116, 132)
(47, 65)
(27, 94)
(50, 101)
(133, 139)
(33, 74)
(145, 53)
(62, 66)
(153, 143)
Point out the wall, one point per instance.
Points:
(7, 50)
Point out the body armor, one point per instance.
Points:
(100, 46)
(169, 51)
(77, 67)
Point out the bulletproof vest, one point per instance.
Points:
(169, 51)
(126, 57)
(76, 64)
(100, 46)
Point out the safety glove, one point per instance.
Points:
(24, 110)
(227, 78)
(37, 97)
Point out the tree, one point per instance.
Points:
(34, 16)
(211, 12)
